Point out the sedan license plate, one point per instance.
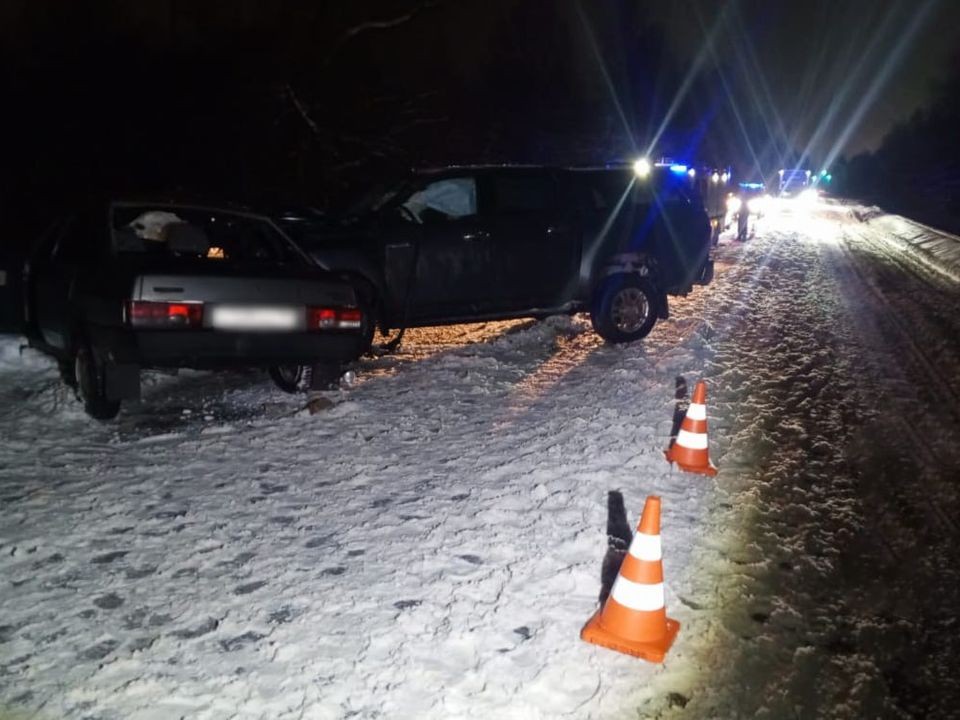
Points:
(256, 317)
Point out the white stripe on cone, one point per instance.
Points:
(692, 441)
(646, 547)
(638, 596)
(696, 411)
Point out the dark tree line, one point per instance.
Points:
(916, 169)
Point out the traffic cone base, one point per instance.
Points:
(593, 632)
(707, 469)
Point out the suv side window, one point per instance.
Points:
(517, 194)
(444, 200)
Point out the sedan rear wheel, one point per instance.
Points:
(91, 384)
(290, 378)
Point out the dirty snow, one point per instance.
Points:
(430, 546)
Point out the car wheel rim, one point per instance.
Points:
(630, 310)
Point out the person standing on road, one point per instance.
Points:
(743, 220)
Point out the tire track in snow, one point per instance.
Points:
(810, 604)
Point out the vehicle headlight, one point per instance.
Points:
(808, 196)
(642, 168)
(733, 204)
(756, 205)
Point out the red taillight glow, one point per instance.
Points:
(325, 318)
(172, 315)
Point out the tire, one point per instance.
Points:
(91, 384)
(706, 273)
(290, 378)
(68, 372)
(624, 308)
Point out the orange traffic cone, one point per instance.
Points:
(690, 451)
(634, 620)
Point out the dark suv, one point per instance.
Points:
(485, 242)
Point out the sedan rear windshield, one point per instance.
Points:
(198, 233)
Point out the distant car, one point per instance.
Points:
(793, 182)
(121, 286)
(474, 243)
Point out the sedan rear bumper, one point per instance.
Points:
(211, 350)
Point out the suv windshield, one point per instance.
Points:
(199, 233)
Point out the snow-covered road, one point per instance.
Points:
(430, 546)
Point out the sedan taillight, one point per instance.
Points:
(334, 318)
(169, 315)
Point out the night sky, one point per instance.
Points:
(168, 92)
(808, 52)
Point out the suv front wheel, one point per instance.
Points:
(624, 308)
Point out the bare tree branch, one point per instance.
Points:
(302, 109)
(363, 27)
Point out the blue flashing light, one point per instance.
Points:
(678, 169)
(751, 185)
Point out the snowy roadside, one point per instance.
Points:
(428, 548)
(939, 251)
(431, 546)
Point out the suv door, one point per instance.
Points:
(535, 239)
(682, 237)
(454, 257)
(53, 276)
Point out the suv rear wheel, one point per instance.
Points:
(624, 308)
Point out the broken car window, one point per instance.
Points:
(450, 198)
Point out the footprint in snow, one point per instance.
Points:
(405, 604)
(524, 632)
(141, 572)
(207, 626)
(110, 601)
(240, 641)
(241, 559)
(100, 650)
(281, 616)
(248, 587)
(472, 559)
(109, 557)
(318, 541)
